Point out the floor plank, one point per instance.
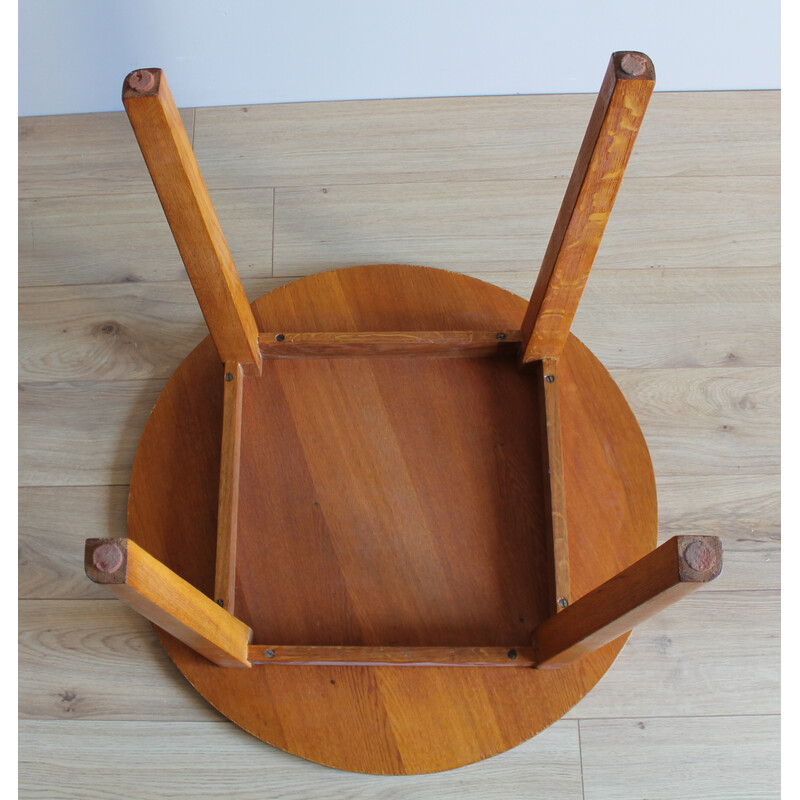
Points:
(716, 758)
(78, 154)
(212, 760)
(128, 239)
(486, 138)
(505, 225)
(707, 421)
(54, 522)
(98, 659)
(712, 653)
(112, 332)
(82, 433)
(144, 330)
(744, 513)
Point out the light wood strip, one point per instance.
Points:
(442, 344)
(266, 654)
(116, 333)
(210, 760)
(167, 600)
(83, 154)
(176, 176)
(677, 568)
(228, 509)
(478, 138)
(707, 422)
(504, 226)
(715, 652)
(53, 525)
(129, 240)
(82, 433)
(588, 201)
(492, 226)
(688, 133)
(718, 758)
(92, 659)
(683, 318)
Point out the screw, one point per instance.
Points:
(549, 378)
(229, 376)
(107, 558)
(269, 653)
(141, 80)
(501, 336)
(563, 602)
(699, 556)
(221, 603)
(633, 64)
(512, 654)
(280, 337)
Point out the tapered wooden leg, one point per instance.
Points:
(587, 204)
(191, 216)
(677, 568)
(169, 601)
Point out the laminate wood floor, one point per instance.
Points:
(682, 307)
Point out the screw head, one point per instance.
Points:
(280, 337)
(141, 80)
(501, 336)
(229, 376)
(549, 378)
(563, 602)
(221, 602)
(512, 654)
(269, 653)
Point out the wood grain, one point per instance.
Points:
(98, 659)
(398, 141)
(114, 333)
(83, 154)
(587, 204)
(228, 504)
(745, 752)
(684, 318)
(671, 664)
(647, 587)
(335, 595)
(128, 240)
(184, 197)
(157, 761)
(504, 226)
(357, 344)
(170, 602)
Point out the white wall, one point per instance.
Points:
(74, 54)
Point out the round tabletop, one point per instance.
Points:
(435, 537)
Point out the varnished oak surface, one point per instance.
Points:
(393, 502)
(682, 307)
